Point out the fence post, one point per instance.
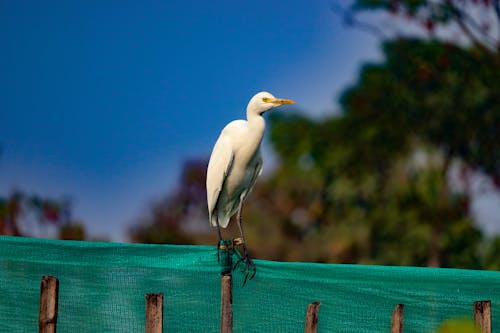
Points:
(311, 325)
(397, 319)
(226, 321)
(154, 313)
(49, 293)
(482, 316)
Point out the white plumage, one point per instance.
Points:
(234, 166)
(236, 163)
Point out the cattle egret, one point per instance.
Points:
(235, 164)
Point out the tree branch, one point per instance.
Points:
(460, 17)
(496, 6)
(350, 19)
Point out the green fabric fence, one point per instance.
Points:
(104, 285)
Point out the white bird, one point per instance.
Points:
(236, 163)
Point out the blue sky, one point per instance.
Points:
(103, 100)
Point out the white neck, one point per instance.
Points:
(257, 124)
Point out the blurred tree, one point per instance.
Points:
(340, 194)
(469, 22)
(380, 170)
(445, 94)
(10, 209)
(179, 216)
(439, 94)
(73, 231)
(437, 90)
(19, 211)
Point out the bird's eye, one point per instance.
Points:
(266, 99)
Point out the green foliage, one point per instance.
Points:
(389, 211)
(444, 94)
(370, 186)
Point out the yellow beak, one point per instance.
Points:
(279, 101)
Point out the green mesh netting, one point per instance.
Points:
(104, 285)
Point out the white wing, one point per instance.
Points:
(219, 166)
(256, 173)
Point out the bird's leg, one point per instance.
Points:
(219, 233)
(246, 257)
(226, 247)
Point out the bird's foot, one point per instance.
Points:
(250, 268)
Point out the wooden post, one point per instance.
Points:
(49, 292)
(311, 325)
(397, 319)
(154, 313)
(482, 316)
(226, 320)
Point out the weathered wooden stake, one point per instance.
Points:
(49, 290)
(226, 320)
(482, 316)
(154, 313)
(397, 319)
(311, 325)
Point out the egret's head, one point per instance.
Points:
(265, 101)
